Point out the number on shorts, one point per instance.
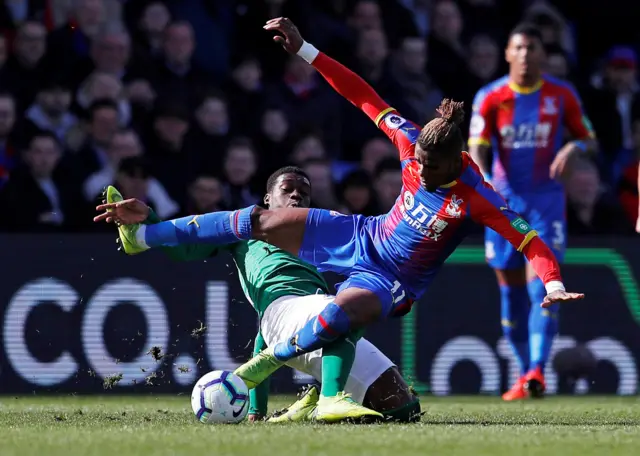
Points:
(394, 292)
(558, 232)
(489, 250)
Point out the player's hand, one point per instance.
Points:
(560, 296)
(127, 212)
(289, 37)
(255, 417)
(562, 162)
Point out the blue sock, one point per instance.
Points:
(330, 324)
(543, 325)
(224, 227)
(514, 314)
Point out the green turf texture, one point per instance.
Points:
(469, 426)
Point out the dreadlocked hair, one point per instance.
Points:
(443, 133)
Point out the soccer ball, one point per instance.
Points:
(220, 397)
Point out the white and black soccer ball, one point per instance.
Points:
(220, 397)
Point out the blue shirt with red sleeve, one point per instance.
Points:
(423, 228)
(525, 128)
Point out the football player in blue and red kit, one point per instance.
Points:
(389, 260)
(523, 118)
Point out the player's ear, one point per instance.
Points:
(267, 199)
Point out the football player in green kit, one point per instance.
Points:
(287, 293)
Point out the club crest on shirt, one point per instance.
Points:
(549, 107)
(453, 208)
(408, 200)
(394, 121)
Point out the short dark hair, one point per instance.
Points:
(443, 133)
(101, 104)
(387, 164)
(527, 29)
(40, 133)
(271, 182)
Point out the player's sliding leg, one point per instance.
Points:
(514, 319)
(283, 228)
(302, 319)
(543, 327)
(391, 396)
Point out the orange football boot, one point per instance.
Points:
(534, 383)
(517, 391)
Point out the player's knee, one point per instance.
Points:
(361, 306)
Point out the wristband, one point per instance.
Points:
(554, 285)
(308, 52)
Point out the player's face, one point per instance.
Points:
(290, 190)
(436, 169)
(525, 56)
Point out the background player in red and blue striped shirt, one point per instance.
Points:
(523, 118)
(390, 260)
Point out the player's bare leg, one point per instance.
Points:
(515, 326)
(391, 396)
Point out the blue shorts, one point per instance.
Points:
(545, 214)
(342, 244)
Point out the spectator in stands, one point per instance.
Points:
(356, 194)
(246, 94)
(7, 139)
(104, 86)
(323, 192)
(102, 124)
(388, 183)
(150, 29)
(366, 16)
(209, 135)
(418, 90)
(177, 74)
(42, 195)
(206, 194)
(240, 167)
(24, 70)
(447, 55)
(373, 65)
(4, 53)
(274, 140)
(551, 24)
(557, 62)
(609, 103)
(15, 13)
(374, 151)
(308, 102)
(484, 60)
(50, 111)
(166, 147)
(589, 211)
(110, 52)
(71, 43)
(309, 146)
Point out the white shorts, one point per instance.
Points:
(288, 314)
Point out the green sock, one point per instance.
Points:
(337, 359)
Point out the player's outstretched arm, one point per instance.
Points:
(259, 396)
(480, 130)
(489, 209)
(343, 80)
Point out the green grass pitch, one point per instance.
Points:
(469, 426)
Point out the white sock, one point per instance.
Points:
(140, 238)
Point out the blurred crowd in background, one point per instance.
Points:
(189, 105)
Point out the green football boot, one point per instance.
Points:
(300, 410)
(258, 368)
(127, 232)
(342, 407)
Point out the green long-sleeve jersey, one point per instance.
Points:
(266, 274)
